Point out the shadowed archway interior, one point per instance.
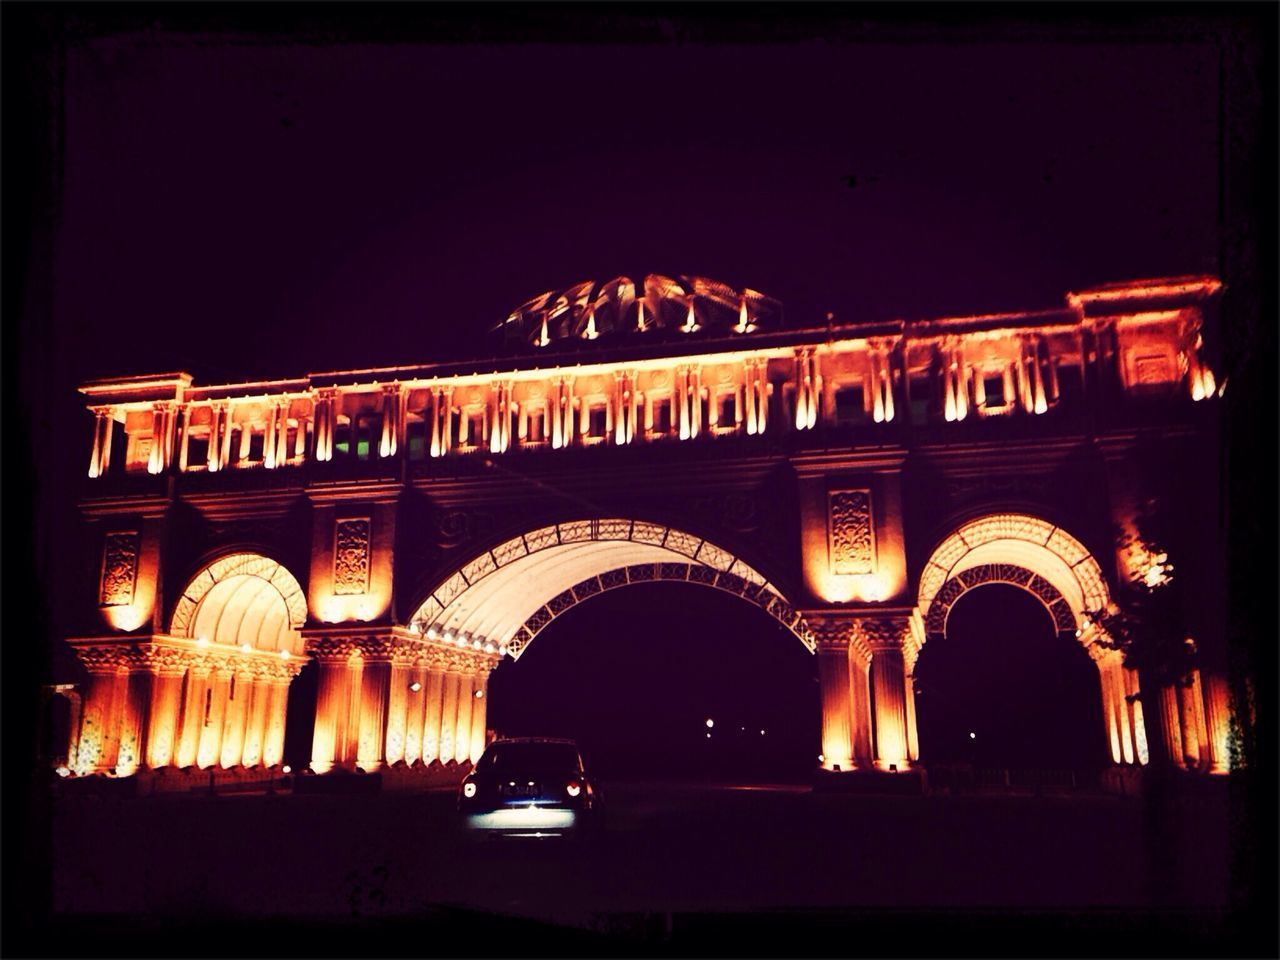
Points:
(1004, 688)
(634, 674)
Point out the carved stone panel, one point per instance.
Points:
(351, 557)
(119, 569)
(852, 537)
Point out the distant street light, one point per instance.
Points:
(710, 723)
(972, 735)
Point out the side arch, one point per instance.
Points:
(243, 598)
(502, 598)
(1040, 557)
(999, 548)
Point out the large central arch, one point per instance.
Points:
(502, 598)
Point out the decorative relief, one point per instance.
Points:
(831, 632)
(852, 542)
(884, 633)
(674, 571)
(1153, 369)
(119, 569)
(693, 573)
(351, 557)
(1046, 592)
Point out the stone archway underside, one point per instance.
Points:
(1064, 620)
(243, 598)
(1056, 561)
(506, 595)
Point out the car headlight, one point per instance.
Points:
(468, 789)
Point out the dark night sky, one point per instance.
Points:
(262, 209)
(266, 210)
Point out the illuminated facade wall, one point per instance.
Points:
(339, 471)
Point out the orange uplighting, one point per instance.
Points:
(1204, 286)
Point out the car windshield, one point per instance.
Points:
(531, 758)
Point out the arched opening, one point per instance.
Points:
(236, 642)
(244, 601)
(504, 597)
(1056, 575)
(500, 601)
(1003, 688)
(634, 675)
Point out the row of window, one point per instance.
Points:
(358, 437)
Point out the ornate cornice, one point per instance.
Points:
(173, 656)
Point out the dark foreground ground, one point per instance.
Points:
(679, 868)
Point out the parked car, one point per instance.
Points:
(529, 787)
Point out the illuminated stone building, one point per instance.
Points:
(399, 530)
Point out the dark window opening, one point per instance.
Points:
(850, 404)
(662, 417)
(197, 451)
(728, 410)
(597, 418)
(534, 433)
(993, 384)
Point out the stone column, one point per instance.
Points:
(1164, 734)
(449, 713)
(479, 710)
(91, 755)
(415, 714)
(236, 717)
(885, 637)
(1133, 715)
(1217, 701)
(1112, 682)
(462, 728)
(166, 700)
(433, 711)
(375, 680)
(860, 707)
(1186, 696)
(833, 679)
(256, 727)
(277, 705)
(909, 656)
(192, 715)
(209, 751)
(134, 716)
(332, 693)
(398, 708)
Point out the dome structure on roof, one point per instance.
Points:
(590, 311)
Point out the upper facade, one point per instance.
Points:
(664, 362)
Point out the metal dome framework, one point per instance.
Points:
(590, 310)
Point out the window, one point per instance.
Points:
(993, 385)
(537, 421)
(728, 408)
(197, 451)
(596, 420)
(255, 446)
(475, 428)
(850, 404)
(661, 417)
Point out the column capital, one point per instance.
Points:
(879, 633)
(833, 631)
(330, 649)
(105, 657)
(377, 649)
